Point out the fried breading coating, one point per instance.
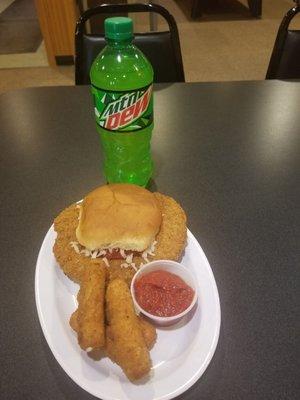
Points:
(74, 321)
(125, 343)
(88, 320)
(148, 331)
(72, 263)
(171, 241)
(171, 238)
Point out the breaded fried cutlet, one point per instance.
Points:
(72, 263)
(171, 241)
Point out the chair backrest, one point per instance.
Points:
(161, 48)
(285, 59)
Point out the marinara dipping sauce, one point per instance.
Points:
(163, 293)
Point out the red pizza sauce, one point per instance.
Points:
(162, 293)
(116, 255)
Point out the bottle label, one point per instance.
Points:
(123, 111)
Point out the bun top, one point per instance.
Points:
(118, 215)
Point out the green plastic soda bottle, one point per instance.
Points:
(121, 85)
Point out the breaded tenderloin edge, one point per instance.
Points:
(171, 241)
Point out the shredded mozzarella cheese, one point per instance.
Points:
(133, 266)
(144, 256)
(74, 245)
(150, 251)
(123, 254)
(94, 254)
(86, 252)
(129, 258)
(105, 260)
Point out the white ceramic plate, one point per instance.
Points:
(180, 356)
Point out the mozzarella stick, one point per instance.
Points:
(125, 342)
(88, 320)
(148, 331)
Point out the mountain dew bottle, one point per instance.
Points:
(121, 85)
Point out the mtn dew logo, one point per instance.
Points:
(123, 111)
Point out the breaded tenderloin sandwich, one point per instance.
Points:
(121, 226)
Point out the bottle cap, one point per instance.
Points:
(118, 28)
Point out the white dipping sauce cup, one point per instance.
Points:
(174, 268)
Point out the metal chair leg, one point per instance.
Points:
(196, 9)
(255, 7)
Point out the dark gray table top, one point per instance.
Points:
(229, 153)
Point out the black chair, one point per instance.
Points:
(161, 48)
(255, 7)
(285, 58)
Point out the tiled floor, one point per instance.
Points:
(224, 44)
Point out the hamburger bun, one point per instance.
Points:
(123, 216)
(73, 260)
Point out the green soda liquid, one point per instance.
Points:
(121, 79)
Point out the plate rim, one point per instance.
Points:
(183, 388)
